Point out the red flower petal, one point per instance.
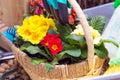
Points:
(53, 42)
(36, 1)
(49, 38)
(55, 48)
(32, 3)
(71, 19)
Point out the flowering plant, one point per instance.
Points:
(46, 40)
(36, 7)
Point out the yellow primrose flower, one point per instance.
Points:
(35, 38)
(34, 28)
(51, 24)
(24, 32)
(79, 31)
(95, 33)
(96, 40)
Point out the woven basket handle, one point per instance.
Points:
(86, 30)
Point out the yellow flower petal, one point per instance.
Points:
(34, 28)
(79, 31)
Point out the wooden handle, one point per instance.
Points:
(86, 30)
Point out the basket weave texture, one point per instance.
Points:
(90, 67)
(60, 72)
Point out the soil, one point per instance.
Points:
(105, 66)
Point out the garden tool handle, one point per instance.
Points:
(86, 29)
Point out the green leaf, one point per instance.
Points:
(37, 61)
(75, 39)
(74, 59)
(87, 17)
(109, 41)
(98, 23)
(101, 51)
(33, 49)
(52, 31)
(72, 52)
(83, 54)
(63, 30)
(50, 66)
(18, 41)
(48, 52)
(54, 62)
(24, 46)
(61, 56)
(67, 46)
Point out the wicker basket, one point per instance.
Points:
(90, 67)
(60, 72)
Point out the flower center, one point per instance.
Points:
(46, 43)
(27, 32)
(54, 47)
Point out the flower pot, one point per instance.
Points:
(89, 67)
(60, 72)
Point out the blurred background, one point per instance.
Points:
(11, 11)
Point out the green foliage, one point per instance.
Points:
(98, 23)
(83, 54)
(35, 61)
(63, 30)
(52, 31)
(24, 46)
(33, 49)
(50, 66)
(67, 53)
(109, 41)
(101, 51)
(75, 39)
(68, 46)
(18, 41)
(74, 52)
(74, 46)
